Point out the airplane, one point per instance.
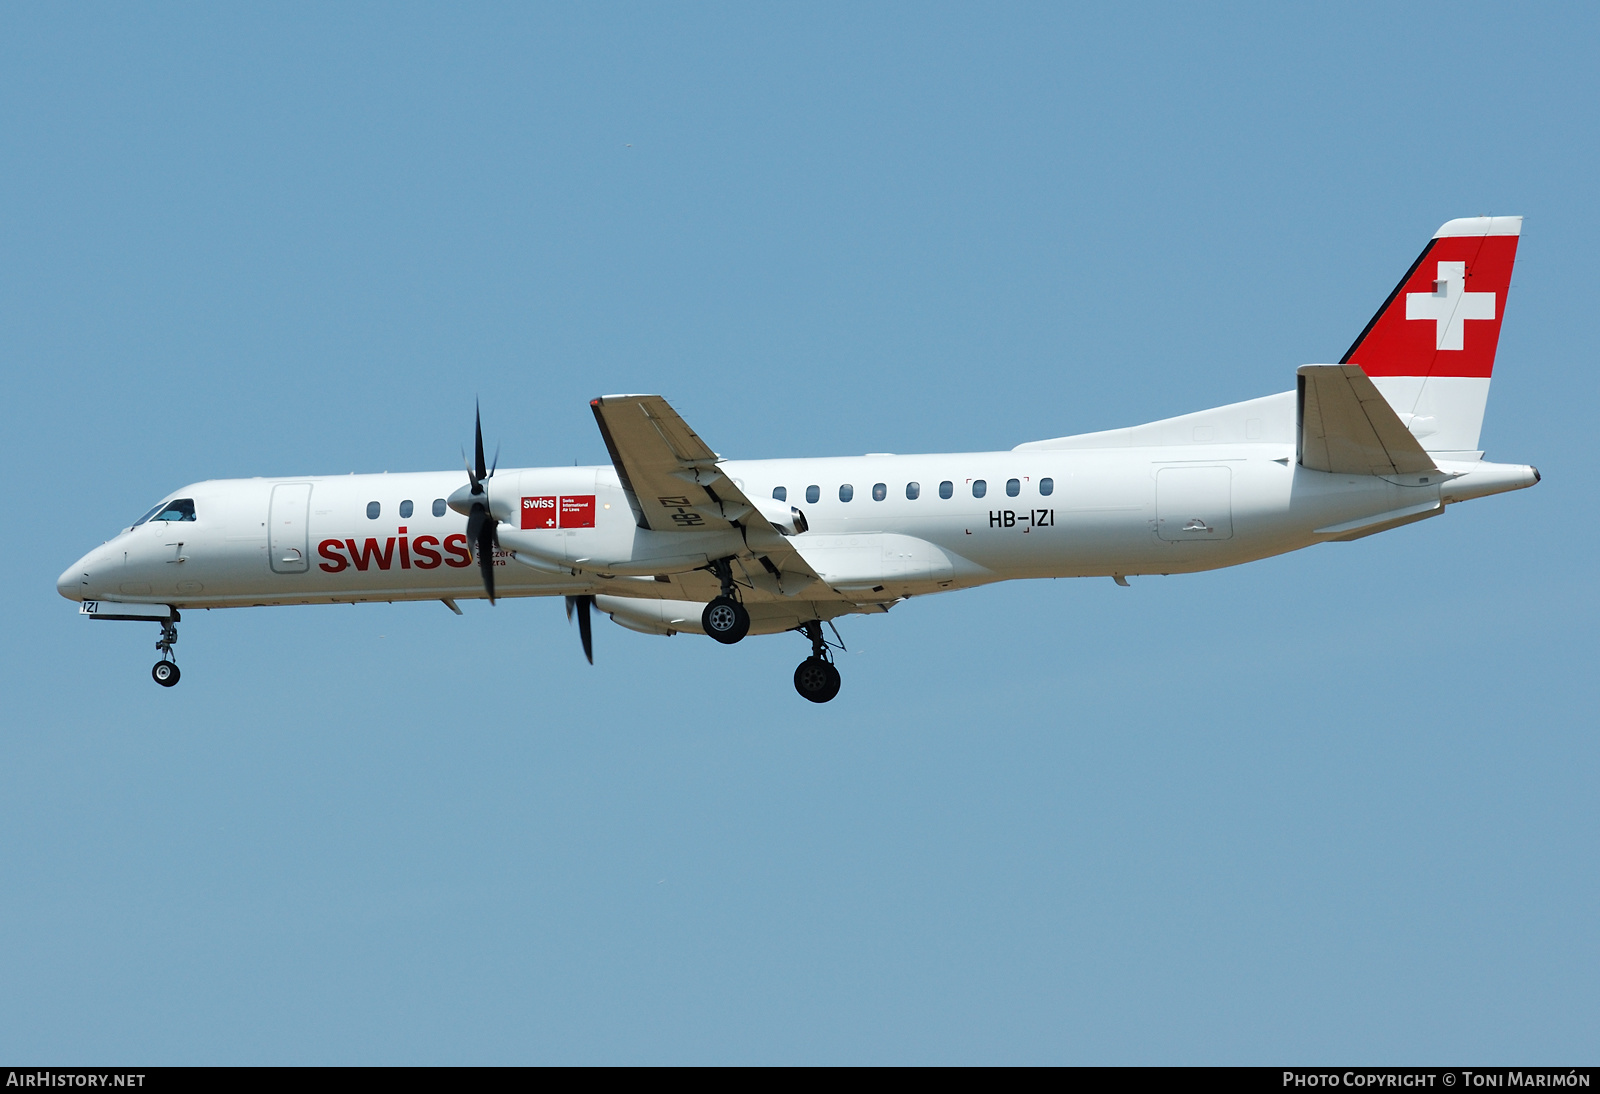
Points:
(672, 537)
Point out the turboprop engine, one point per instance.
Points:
(539, 533)
(622, 549)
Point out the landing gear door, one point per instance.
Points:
(288, 549)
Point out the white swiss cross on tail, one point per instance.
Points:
(1449, 305)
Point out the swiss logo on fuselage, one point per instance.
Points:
(567, 511)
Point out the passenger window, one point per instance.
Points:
(946, 488)
(182, 509)
(405, 509)
(373, 509)
(913, 491)
(879, 491)
(1047, 487)
(979, 488)
(781, 493)
(813, 493)
(439, 507)
(1013, 488)
(846, 492)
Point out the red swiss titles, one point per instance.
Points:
(422, 553)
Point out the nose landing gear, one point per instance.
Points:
(165, 671)
(725, 619)
(817, 679)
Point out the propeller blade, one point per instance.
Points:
(585, 627)
(570, 601)
(486, 557)
(480, 467)
(480, 533)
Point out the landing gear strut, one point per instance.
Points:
(725, 619)
(817, 679)
(165, 672)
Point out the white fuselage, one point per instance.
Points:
(1070, 511)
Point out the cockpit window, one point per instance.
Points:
(181, 509)
(178, 509)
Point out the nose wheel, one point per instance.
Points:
(817, 679)
(165, 671)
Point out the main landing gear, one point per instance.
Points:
(165, 671)
(725, 619)
(817, 679)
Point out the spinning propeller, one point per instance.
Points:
(482, 533)
(481, 523)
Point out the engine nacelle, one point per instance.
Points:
(652, 616)
(673, 616)
(622, 550)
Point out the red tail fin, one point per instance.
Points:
(1443, 319)
(1430, 349)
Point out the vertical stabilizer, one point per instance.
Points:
(1430, 348)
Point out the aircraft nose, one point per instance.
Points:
(73, 579)
(85, 578)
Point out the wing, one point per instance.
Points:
(1349, 428)
(668, 473)
(673, 482)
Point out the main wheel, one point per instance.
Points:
(165, 673)
(817, 680)
(726, 620)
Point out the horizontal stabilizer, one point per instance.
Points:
(1348, 427)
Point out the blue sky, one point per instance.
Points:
(1336, 806)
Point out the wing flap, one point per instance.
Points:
(1347, 427)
